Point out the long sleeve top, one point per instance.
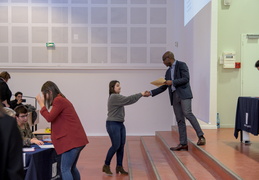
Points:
(116, 103)
(26, 134)
(67, 131)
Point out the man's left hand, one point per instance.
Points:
(168, 82)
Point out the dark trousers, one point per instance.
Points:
(117, 133)
(182, 110)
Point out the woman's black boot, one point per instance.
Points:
(107, 169)
(121, 170)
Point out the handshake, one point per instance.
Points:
(146, 93)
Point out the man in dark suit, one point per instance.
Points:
(11, 162)
(177, 82)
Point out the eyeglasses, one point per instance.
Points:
(24, 116)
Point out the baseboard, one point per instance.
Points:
(208, 126)
(227, 125)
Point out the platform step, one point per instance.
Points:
(193, 164)
(136, 162)
(211, 163)
(156, 157)
(150, 157)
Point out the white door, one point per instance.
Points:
(249, 74)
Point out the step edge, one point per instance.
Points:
(211, 158)
(129, 162)
(214, 160)
(149, 159)
(170, 153)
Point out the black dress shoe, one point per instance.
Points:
(201, 141)
(180, 148)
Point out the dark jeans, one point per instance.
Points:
(68, 164)
(117, 133)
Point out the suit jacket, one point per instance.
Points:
(11, 161)
(180, 82)
(67, 131)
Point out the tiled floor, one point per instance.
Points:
(240, 158)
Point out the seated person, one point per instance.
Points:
(23, 125)
(17, 101)
(11, 163)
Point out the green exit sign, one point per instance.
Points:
(50, 44)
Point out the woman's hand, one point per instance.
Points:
(36, 141)
(146, 93)
(40, 100)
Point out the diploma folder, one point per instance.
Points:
(158, 82)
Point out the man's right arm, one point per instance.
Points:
(162, 88)
(158, 90)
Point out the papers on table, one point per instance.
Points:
(28, 149)
(158, 82)
(47, 140)
(46, 146)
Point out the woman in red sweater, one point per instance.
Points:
(67, 133)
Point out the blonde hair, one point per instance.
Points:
(9, 111)
(5, 75)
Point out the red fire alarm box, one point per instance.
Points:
(238, 65)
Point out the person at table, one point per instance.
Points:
(11, 163)
(24, 127)
(17, 101)
(115, 125)
(67, 133)
(5, 92)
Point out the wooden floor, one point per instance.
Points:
(148, 157)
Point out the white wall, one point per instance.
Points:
(85, 33)
(195, 47)
(88, 91)
(239, 18)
